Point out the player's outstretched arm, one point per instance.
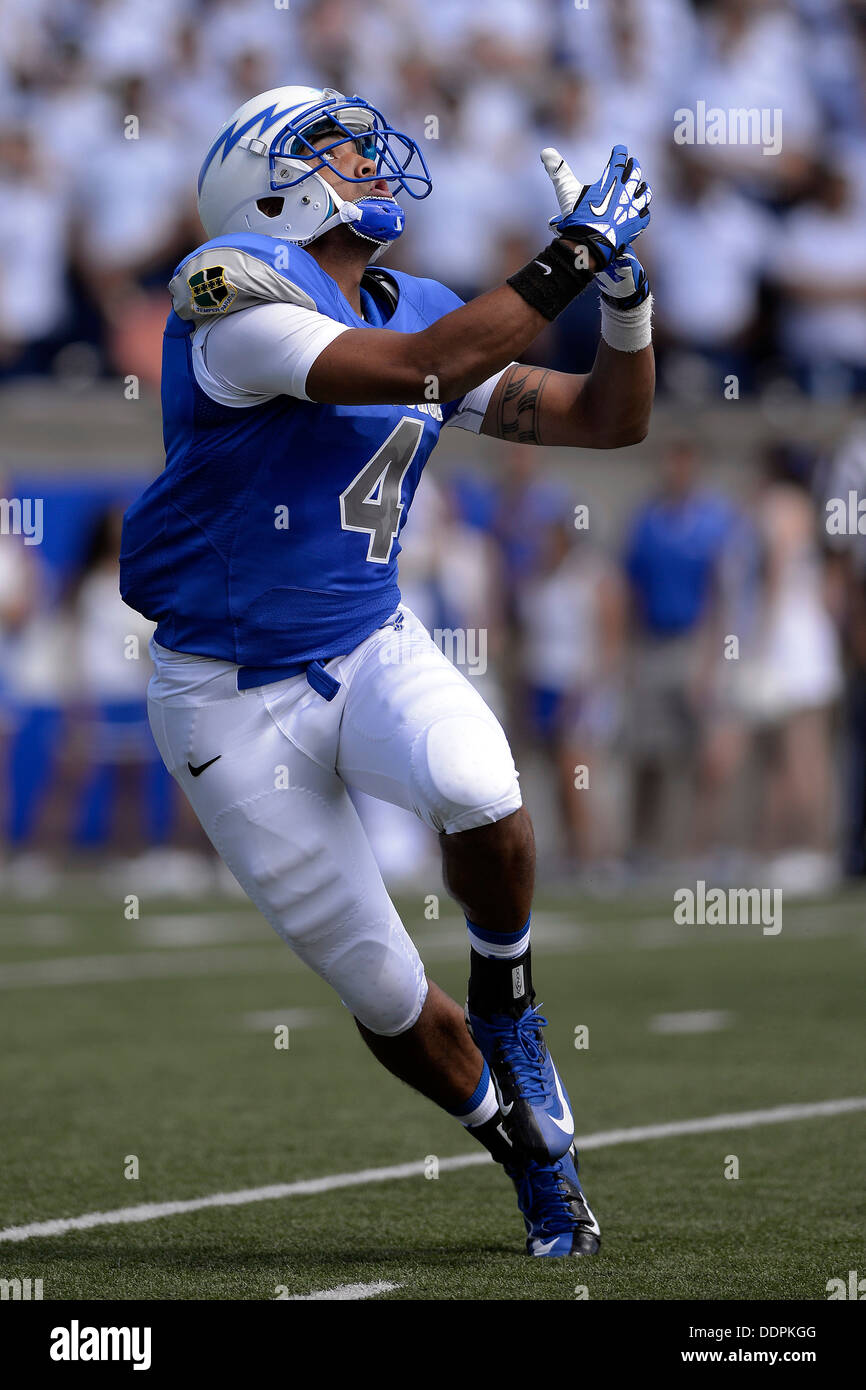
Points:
(606, 409)
(375, 366)
(611, 406)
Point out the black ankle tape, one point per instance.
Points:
(553, 279)
(495, 988)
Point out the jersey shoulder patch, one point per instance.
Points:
(235, 272)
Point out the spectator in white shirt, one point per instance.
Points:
(819, 266)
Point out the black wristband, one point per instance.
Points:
(553, 279)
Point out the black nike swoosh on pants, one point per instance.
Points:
(197, 771)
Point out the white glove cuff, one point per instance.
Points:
(627, 330)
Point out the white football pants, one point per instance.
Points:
(405, 726)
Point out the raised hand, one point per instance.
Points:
(606, 215)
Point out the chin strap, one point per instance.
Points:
(378, 219)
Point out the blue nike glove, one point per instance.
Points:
(624, 283)
(606, 215)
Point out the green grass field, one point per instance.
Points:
(156, 1039)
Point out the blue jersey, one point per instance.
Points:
(271, 537)
(672, 557)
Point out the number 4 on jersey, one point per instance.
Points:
(371, 502)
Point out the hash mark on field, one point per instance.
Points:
(344, 1291)
(308, 1187)
(693, 1021)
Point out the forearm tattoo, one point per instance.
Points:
(519, 413)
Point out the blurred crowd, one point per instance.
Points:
(687, 687)
(684, 692)
(108, 106)
(688, 692)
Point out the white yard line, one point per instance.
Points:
(553, 933)
(197, 929)
(151, 965)
(152, 1211)
(344, 1291)
(557, 932)
(43, 929)
(743, 1119)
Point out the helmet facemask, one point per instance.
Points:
(264, 173)
(297, 154)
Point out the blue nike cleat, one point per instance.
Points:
(536, 1112)
(555, 1211)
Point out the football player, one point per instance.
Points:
(303, 392)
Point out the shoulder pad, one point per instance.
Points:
(236, 272)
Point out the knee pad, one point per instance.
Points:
(463, 773)
(380, 979)
(329, 906)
